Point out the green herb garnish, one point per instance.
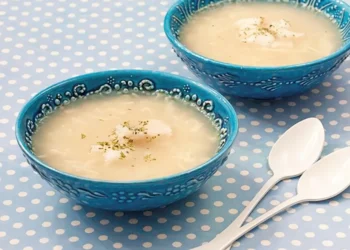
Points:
(149, 157)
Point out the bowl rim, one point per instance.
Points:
(175, 42)
(212, 93)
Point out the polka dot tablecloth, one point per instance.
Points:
(43, 42)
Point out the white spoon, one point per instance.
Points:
(327, 178)
(294, 152)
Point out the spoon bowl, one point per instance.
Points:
(327, 178)
(287, 158)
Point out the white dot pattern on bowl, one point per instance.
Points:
(47, 41)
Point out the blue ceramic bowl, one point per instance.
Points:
(259, 82)
(127, 196)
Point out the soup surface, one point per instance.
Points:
(260, 34)
(126, 137)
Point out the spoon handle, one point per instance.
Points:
(238, 222)
(227, 237)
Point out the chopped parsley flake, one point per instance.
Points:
(149, 157)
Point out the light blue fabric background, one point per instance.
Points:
(42, 42)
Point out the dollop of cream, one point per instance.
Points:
(258, 31)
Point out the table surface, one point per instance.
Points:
(43, 42)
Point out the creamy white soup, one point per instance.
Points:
(126, 137)
(260, 34)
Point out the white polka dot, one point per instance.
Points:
(288, 195)
(244, 172)
(44, 240)
(87, 246)
(12, 157)
(176, 212)
(245, 187)
(257, 165)
(104, 222)
(35, 201)
(230, 180)
(118, 229)
(33, 216)
(279, 234)
(75, 223)
(89, 215)
(177, 244)
(190, 236)
(89, 230)
(327, 243)
(265, 243)
(73, 239)
(17, 225)
(310, 235)
(30, 232)
(132, 236)
(233, 211)
(77, 207)
(337, 219)
(249, 235)
(61, 215)
(147, 244)
(258, 180)
(10, 172)
(230, 165)
(162, 236)
(60, 231)
(307, 218)
(50, 193)
(256, 137)
(204, 211)
(293, 226)
(7, 202)
(22, 194)
(231, 195)
(291, 210)
(205, 228)
(118, 245)
(261, 210)
(218, 203)
(148, 228)
(323, 226)
(296, 243)
(277, 218)
(333, 203)
(320, 210)
(46, 224)
(4, 218)
(162, 220)
(14, 241)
